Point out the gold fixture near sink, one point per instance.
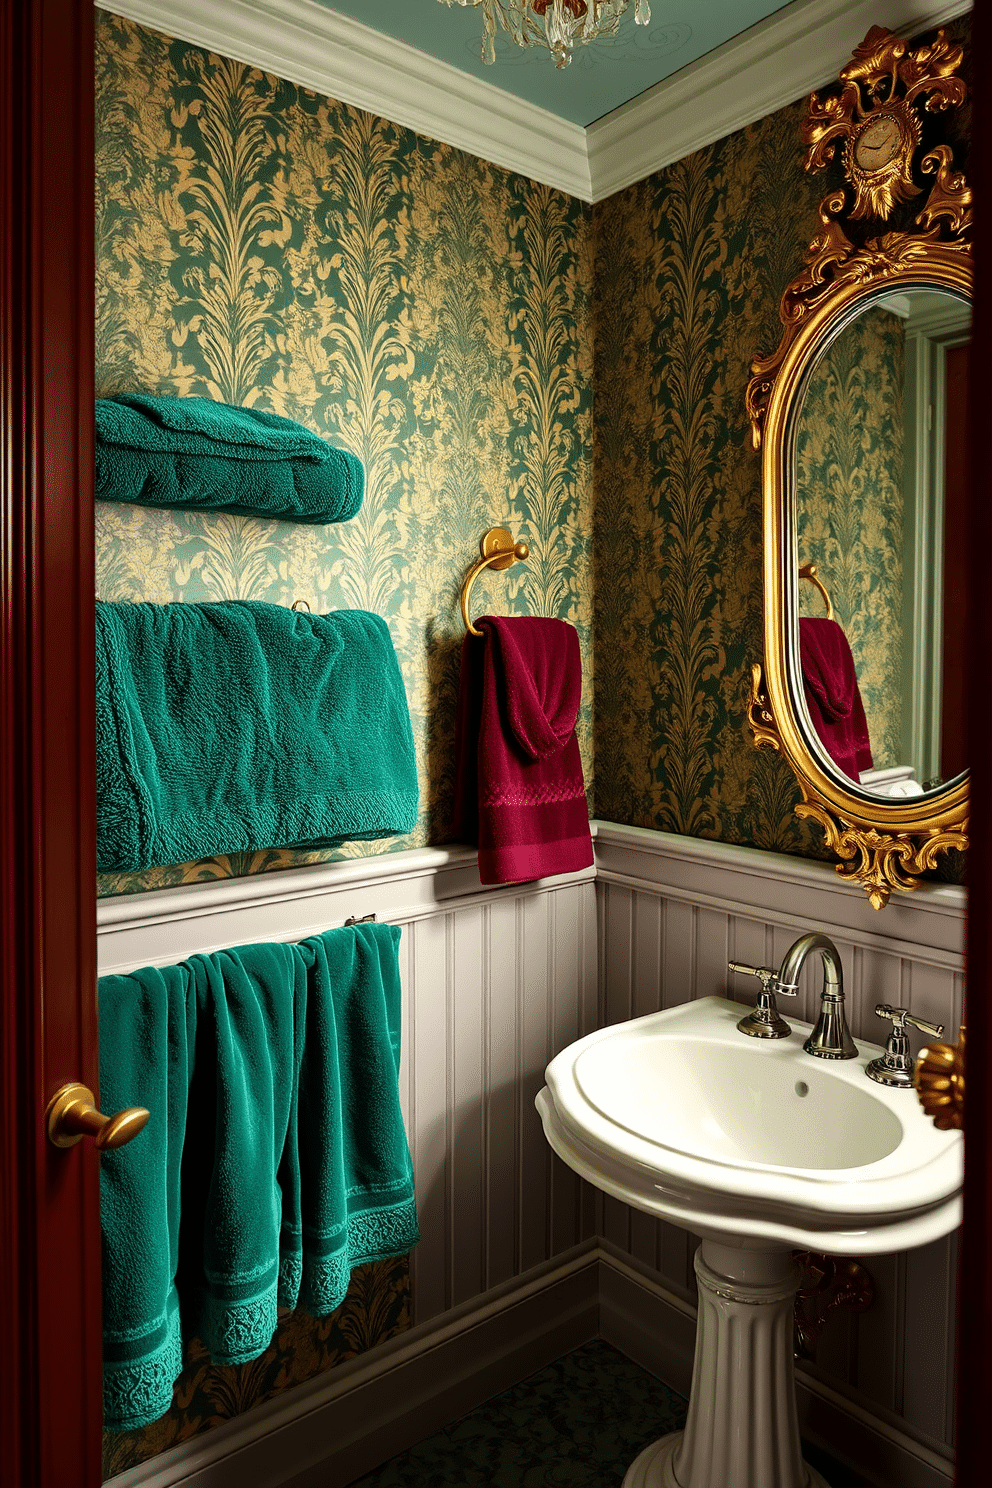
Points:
(829, 1284)
(939, 1081)
(894, 233)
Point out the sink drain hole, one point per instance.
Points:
(802, 1088)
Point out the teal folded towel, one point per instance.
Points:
(275, 1159)
(240, 726)
(211, 456)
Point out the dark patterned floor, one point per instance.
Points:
(577, 1424)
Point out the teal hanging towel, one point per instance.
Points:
(275, 1159)
(194, 452)
(240, 726)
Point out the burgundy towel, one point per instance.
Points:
(519, 791)
(832, 696)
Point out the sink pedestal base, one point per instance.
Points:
(742, 1430)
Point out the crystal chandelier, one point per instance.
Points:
(555, 24)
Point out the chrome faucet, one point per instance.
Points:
(896, 1065)
(831, 1038)
(764, 1020)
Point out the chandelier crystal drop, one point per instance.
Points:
(555, 24)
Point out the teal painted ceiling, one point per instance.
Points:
(603, 75)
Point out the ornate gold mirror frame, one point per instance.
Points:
(879, 128)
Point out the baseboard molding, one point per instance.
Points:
(877, 1451)
(340, 1425)
(333, 1429)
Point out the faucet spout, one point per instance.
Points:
(831, 1038)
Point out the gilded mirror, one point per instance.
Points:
(859, 414)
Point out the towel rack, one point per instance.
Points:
(808, 571)
(498, 551)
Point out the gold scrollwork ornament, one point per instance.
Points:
(873, 126)
(878, 861)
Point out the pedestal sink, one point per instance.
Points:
(757, 1147)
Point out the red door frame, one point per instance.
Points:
(50, 1414)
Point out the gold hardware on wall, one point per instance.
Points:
(498, 551)
(939, 1081)
(872, 124)
(809, 571)
(829, 1284)
(72, 1115)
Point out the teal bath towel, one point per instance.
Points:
(240, 726)
(275, 1159)
(193, 452)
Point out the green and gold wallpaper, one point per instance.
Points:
(424, 309)
(690, 265)
(849, 482)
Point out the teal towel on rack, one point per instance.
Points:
(353, 1016)
(275, 1159)
(194, 452)
(147, 1037)
(240, 726)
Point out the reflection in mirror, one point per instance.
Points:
(879, 506)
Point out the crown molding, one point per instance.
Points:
(340, 58)
(799, 48)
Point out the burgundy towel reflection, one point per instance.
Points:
(519, 791)
(832, 695)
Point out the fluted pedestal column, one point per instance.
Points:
(742, 1430)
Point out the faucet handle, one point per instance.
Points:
(895, 1066)
(764, 1020)
(768, 978)
(901, 1016)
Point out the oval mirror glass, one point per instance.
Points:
(879, 512)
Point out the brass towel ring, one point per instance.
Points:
(300, 602)
(808, 571)
(498, 551)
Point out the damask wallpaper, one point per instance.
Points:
(690, 265)
(420, 307)
(849, 472)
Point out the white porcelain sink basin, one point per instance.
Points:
(681, 1115)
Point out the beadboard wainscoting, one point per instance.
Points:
(672, 912)
(519, 1260)
(495, 981)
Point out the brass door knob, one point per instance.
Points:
(72, 1115)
